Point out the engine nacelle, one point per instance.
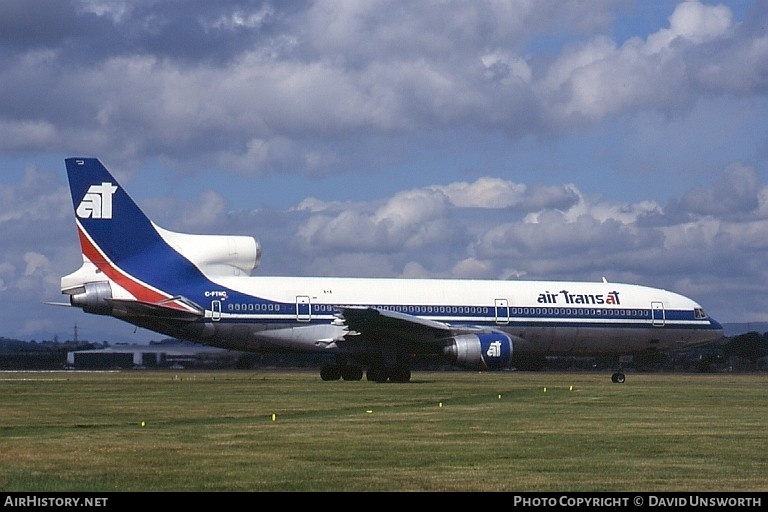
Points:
(216, 255)
(485, 351)
(93, 298)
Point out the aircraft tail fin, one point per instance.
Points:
(124, 253)
(111, 227)
(126, 256)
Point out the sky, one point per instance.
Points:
(520, 139)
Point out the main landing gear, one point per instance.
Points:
(336, 372)
(374, 373)
(399, 369)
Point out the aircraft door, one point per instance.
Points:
(501, 307)
(303, 308)
(216, 310)
(657, 313)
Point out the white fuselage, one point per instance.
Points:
(553, 317)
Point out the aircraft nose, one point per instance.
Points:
(717, 329)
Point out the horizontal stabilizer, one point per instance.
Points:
(67, 304)
(177, 308)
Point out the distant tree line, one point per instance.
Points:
(744, 352)
(751, 346)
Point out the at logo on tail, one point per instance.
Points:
(97, 202)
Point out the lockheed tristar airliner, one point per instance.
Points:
(200, 288)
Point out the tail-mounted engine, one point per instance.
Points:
(485, 351)
(93, 298)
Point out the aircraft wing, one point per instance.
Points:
(386, 324)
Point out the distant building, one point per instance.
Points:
(147, 356)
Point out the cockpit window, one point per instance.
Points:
(699, 313)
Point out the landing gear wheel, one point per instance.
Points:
(330, 372)
(351, 373)
(618, 378)
(376, 374)
(400, 375)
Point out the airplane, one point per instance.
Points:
(199, 288)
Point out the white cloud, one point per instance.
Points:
(209, 208)
(695, 22)
(337, 69)
(36, 264)
(486, 192)
(473, 268)
(598, 78)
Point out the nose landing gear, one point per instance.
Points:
(618, 376)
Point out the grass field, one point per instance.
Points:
(443, 431)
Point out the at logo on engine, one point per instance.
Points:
(494, 349)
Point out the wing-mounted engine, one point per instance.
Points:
(216, 255)
(482, 351)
